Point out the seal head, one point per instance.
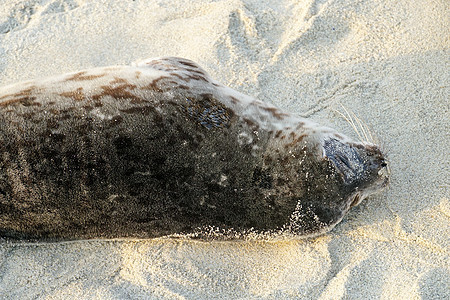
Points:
(352, 172)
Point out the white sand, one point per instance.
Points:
(388, 61)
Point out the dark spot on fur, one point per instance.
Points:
(122, 144)
(300, 125)
(234, 100)
(268, 160)
(207, 96)
(48, 153)
(207, 111)
(253, 125)
(120, 91)
(118, 80)
(197, 77)
(25, 101)
(145, 110)
(275, 112)
(295, 140)
(196, 71)
(65, 116)
(301, 137)
(86, 127)
(81, 76)
(58, 137)
(22, 93)
(76, 95)
(52, 124)
(178, 76)
(357, 146)
(29, 115)
(187, 63)
(54, 137)
(281, 181)
(262, 178)
(214, 187)
(154, 84)
(116, 120)
(29, 101)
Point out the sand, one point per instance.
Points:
(387, 61)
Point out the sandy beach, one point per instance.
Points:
(386, 61)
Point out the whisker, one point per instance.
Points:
(353, 116)
(360, 123)
(363, 131)
(350, 120)
(373, 138)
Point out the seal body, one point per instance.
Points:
(160, 148)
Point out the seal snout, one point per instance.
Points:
(377, 165)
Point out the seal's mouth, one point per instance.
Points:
(356, 200)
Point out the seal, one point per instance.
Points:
(159, 148)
